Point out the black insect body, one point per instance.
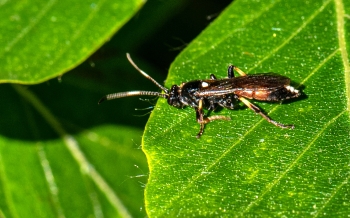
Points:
(211, 93)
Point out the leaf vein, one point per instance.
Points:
(269, 186)
(219, 41)
(75, 36)
(199, 175)
(293, 34)
(50, 180)
(75, 150)
(332, 195)
(319, 66)
(27, 29)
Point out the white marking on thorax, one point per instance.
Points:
(205, 84)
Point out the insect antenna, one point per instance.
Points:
(137, 93)
(131, 93)
(145, 74)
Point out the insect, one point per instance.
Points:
(212, 93)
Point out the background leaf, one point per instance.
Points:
(55, 160)
(62, 155)
(248, 167)
(55, 36)
(98, 171)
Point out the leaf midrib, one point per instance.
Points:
(339, 7)
(74, 149)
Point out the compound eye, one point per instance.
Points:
(173, 99)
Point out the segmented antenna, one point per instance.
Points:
(131, 93)
(136, 93)
(145, 74)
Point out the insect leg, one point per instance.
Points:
(204, 120)
(200, 119)
(212, 77)
(212, 106)
(230, 70)
(257, 110)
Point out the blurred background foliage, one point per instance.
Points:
(62, 155)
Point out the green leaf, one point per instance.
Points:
(63, 155)
(246, 166)
(44, 39)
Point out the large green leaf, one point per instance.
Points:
(246, 166)
(65, 157)
(60, 154)
(43, 39)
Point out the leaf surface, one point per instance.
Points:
(246, 166)
(44, 39)
(62, 155)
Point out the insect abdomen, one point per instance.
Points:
(261, 95)
(279, 94)
(284, 93)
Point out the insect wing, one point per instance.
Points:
(261, 82)
(247, 83)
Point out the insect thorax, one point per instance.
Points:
(187, 93)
